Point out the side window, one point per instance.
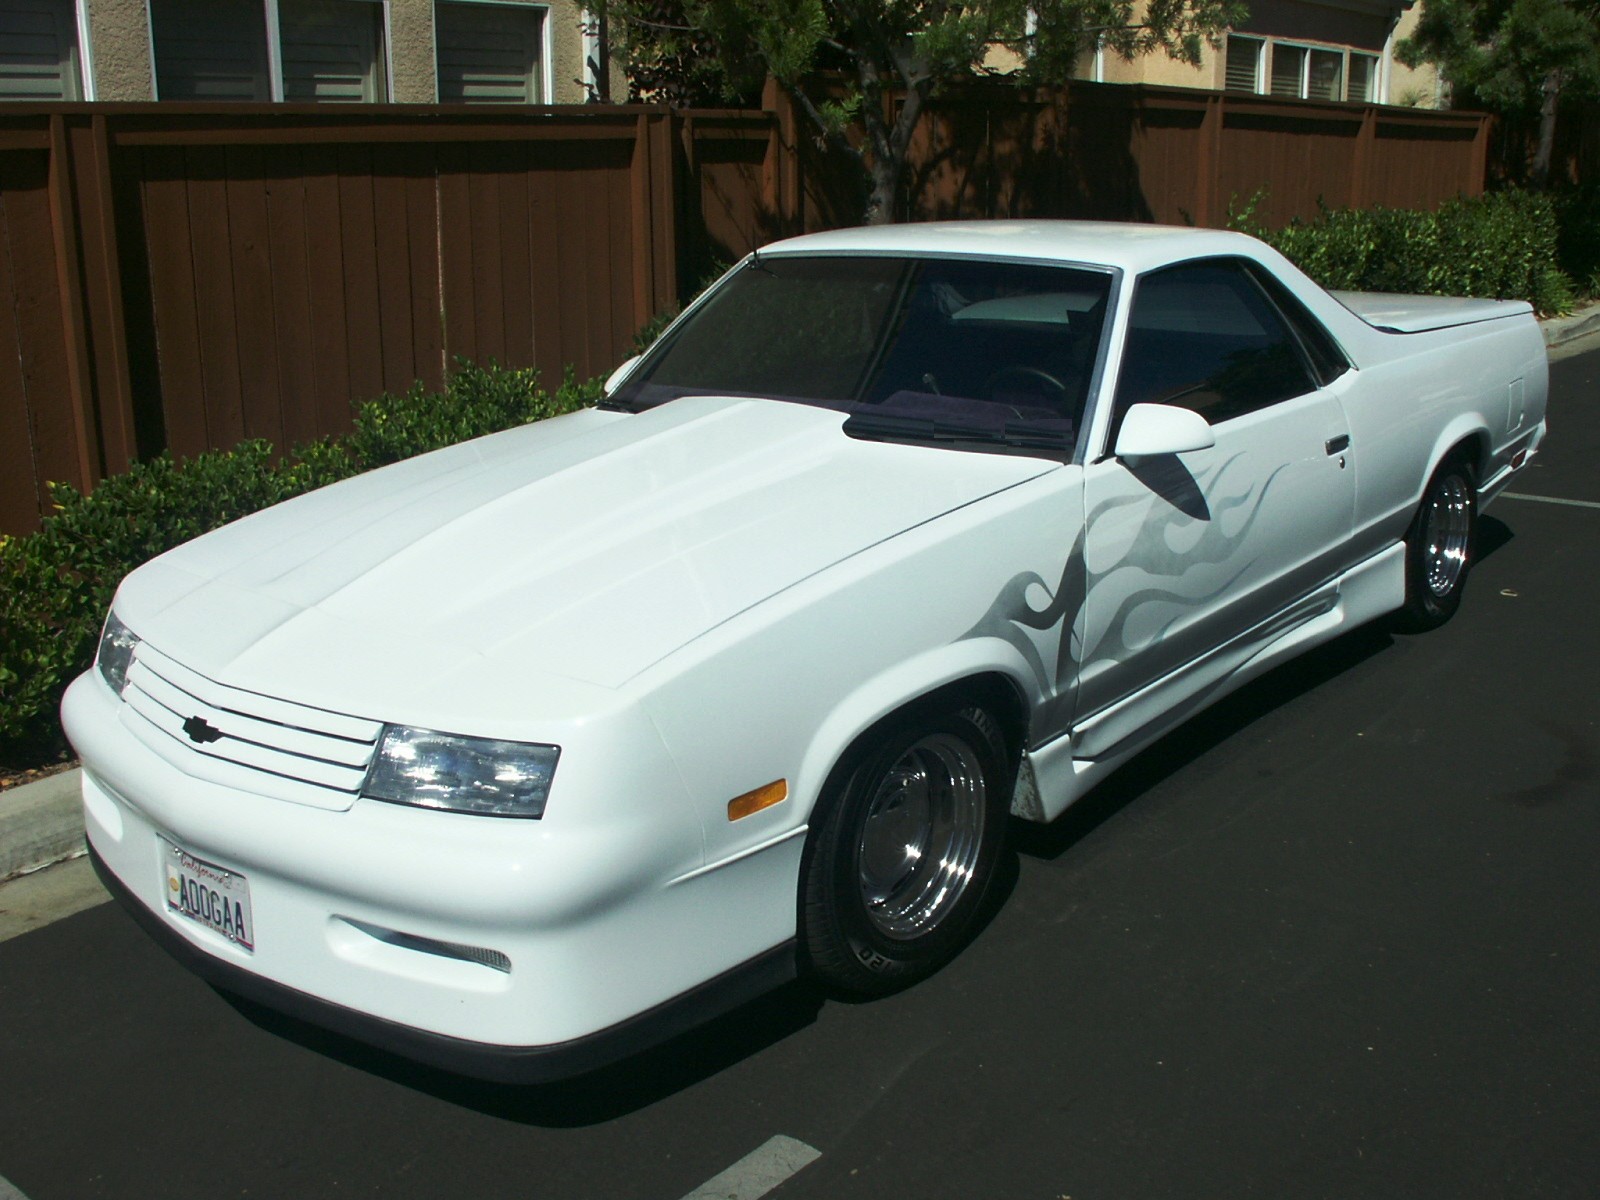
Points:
(1327, 359)
(1204, 336)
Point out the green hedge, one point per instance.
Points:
(1577, 212)
(1501, 245)
(55, 584)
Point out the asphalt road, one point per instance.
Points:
(1338, 937)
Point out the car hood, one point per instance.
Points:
(586, 547)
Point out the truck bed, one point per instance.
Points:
(1394, 313)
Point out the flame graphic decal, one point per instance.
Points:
(1179, 508)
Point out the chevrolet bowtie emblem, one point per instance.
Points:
(201, 731)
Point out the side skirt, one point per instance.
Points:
(1064, 769)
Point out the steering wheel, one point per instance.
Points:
(1058, 395)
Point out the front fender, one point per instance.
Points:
(897, 688)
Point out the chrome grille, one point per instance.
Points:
(209, 726)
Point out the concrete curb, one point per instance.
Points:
(1559, 330)
(40, 823)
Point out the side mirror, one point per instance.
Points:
(620, 374)
(1152, 429)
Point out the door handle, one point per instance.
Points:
(1338, 445)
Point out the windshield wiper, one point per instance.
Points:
(934, 431)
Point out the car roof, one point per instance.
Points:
(1131, 247)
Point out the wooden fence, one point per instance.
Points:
(182, 276)
(1167, 154)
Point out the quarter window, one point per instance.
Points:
(1204, 336)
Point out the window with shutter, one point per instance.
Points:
(332, 50)
(489, 53)
(1325, 79)
(1243, 72)
(1288, 68)
(39, 50)
(210, 49)
(1363, 77)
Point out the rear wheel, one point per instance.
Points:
(904, 851)
(1440, 547)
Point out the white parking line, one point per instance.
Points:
(10, 1192)
(754, 1175)
(1552, 500)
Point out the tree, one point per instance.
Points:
(863, 71)
(1513, 57)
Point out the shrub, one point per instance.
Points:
(56, 584)
(1502, 245)
(1578, 235)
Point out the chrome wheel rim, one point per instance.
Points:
(920, 841)
(1445, 534)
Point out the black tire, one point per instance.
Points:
(874, 919)
(1440, 547)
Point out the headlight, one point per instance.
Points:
(117, 644)
(458, 774)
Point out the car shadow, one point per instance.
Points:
(1493, 534)
(1203, 732)
(602, 1095)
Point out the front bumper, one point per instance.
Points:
(499, 1064)
(611, 932)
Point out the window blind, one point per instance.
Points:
(210, 49)
(488, 53)
(39, 50)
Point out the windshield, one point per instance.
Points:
(986, 354)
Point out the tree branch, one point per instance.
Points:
(834, 137)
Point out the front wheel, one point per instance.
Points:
(1440, 548)
(904, 850)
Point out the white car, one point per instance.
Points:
(521, 754)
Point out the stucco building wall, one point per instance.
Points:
(119, 47)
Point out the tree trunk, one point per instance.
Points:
(883, 191)
(1542, 158)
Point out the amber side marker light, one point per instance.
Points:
(753, 802)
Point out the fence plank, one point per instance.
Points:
(544, 265)
(455, 250)
(216, 312)
(174, 320)
(41, 336)
(393, 238)
(107, 315)
(284, 187)
(358, 240)
(74, 325)
(256, 326)
(422, 219)
(20, 501)
(326, 284)
(488, 273)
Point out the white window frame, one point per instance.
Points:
(85, 52)
(547, 66)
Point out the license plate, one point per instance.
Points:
(209, 895)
